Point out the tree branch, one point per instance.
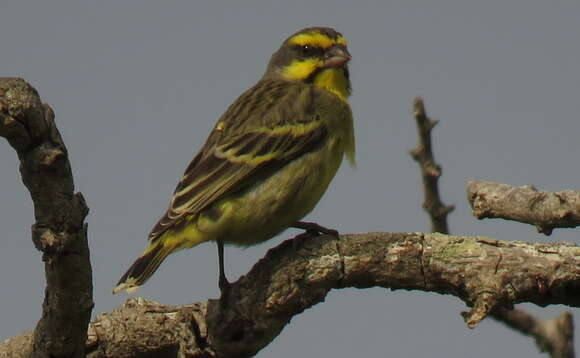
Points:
(486, 274)
(59, 232)
(430, 170)
(525, 204)
(554, 336)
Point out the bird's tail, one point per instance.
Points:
(144, 266)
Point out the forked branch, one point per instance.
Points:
(488, 199)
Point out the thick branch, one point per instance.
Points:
(59, 231)
(525, 204)
(485, 273)
(430, 170)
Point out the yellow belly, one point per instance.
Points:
(287, 196)
(266, 208)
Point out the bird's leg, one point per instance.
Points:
(223, 281)
(313, 228)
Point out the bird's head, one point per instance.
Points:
(315, 55)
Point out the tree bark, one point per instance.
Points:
(545, 210)
(486, 274)
(59, 232)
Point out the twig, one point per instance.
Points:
(525, 204)
(555, 336)
(430, 170)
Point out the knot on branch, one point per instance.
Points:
(484, 304)
(22, 118)
(46, 240)
(58, 236)
(45, 156)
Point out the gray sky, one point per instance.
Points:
(137, 85)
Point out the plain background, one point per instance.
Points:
(137, 85)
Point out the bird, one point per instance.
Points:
(268, 160)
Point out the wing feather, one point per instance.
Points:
(232, 161)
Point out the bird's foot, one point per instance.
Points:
(225, 287)
(313, 229)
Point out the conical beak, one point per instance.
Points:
(337, 57)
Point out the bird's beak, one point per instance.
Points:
(336, 57)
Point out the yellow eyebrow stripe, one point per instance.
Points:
(316, 39)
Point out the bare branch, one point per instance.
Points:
(553, 336)
(59, 231)
(525, 204)
(485, 273)
(430, 170)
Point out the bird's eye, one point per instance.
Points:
(307, 50)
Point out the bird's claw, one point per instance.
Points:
(313, 229)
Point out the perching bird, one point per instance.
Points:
(268, 160)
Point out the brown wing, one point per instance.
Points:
(237, 154)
